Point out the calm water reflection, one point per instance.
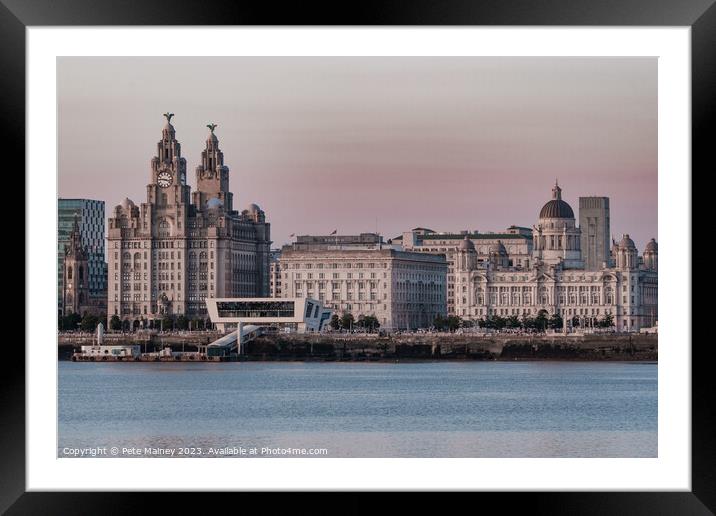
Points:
(426, 409)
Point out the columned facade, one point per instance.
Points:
(625, 288)
(169, 254)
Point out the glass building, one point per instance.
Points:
(91, 221)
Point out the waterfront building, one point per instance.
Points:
(362, 275)
(556, 279)
(594, 226)
(302, 315)
(513, 247)
(275, 273)
(172, 252)
(77, 297)
(90, 218)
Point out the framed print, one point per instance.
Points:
(414, 250)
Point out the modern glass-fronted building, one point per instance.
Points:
(91, 220)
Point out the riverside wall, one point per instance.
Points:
(280, 346)
(457, 347)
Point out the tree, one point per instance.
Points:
(71, 321)
(607, 321)
(439, 322)
(347, 321)
(115, 323)
(125, 325)
(527, 322)
(556, 322)
(335, 322)
(182, 323)
(453, 322)
(541, 320)
(575, 321)
(168, 322)
(512, 322)
(89, 323)
(369, 322)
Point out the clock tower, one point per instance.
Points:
(168, 170)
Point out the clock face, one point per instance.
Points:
(164, 179)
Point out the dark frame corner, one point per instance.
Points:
(700, 15)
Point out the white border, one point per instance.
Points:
(670, 471)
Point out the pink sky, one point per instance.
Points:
(356, 144)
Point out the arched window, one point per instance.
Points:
(69, 272)
(544, 296)
(81, 275)
(81, 298)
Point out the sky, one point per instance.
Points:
(359, 144)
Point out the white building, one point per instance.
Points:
(364, 276)
(512, 246)
(274, 273)
(556, 280)
(301, 314)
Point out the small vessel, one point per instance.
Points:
(100, 352)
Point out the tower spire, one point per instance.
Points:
(556, 190)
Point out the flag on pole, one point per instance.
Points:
(334, 232)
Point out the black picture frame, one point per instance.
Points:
(700, 15)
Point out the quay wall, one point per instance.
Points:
(398, 347)
(451, 346)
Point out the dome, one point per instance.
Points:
(556, 209)
(127, 203)
(651, 246)
(254, 208)
(498, 248)
(466, 245)
(212, 138)
(214, 203)
(627, 242)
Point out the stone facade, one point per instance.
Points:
(363, 276)
(275, 273)
(77, 295)
(556, 281)
(513, 247)
(169, 254)
(89, 216)
(594, 225)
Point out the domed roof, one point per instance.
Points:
(254, 208)
(556, 208)
(498, 248)
(127, 203)
(213, 203)
(466, 245)
(627, 242)
(651, 246)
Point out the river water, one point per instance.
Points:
(344, 409)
